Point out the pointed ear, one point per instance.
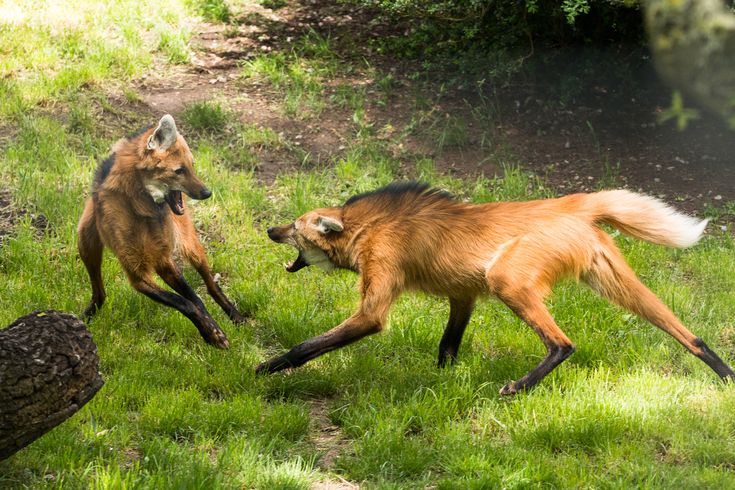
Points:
(165, 134)
(325, 224)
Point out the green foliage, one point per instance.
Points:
(691, 41)
(677, 112)
(456, 26)
(212, 10)
(574, 8)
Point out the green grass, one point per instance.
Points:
(227, 142)
(631, 408)
(273, 4)
(175, 45)
(299, 74)
(206, 117)
(53, 49)
(212, 10)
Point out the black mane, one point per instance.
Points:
(103, 170)
(135, 134)
(398, 190)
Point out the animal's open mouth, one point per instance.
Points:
(297, 264)
(175, 202)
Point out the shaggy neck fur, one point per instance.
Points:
(394, 205)
(119, 173)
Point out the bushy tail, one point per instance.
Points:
(645, 217)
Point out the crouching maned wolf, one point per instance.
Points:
(408, 236)
(137, 210)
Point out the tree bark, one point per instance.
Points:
(48, 371)
(693, 43)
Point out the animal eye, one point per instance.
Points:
(180, 171)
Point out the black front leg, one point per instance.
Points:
(171, 275)
(201, 319)
(460, 311)
(352, 329)
(219, 296)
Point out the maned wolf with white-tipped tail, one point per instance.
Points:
(409, 236)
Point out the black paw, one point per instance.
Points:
(274, 365)
(510, 389)
(237, 318)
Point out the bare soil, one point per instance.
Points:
(609, 132)
(8, 215)
(330, 442)
(11, 214)
(598, 133)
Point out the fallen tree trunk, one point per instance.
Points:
(48, 371)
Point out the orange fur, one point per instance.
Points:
(410, 237)
(146, 236)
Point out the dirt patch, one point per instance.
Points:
(327, 437)
(10, 215)
(578, 127)
(130, 457)
(612, 134)
(340, 484)
(330, 442)
(599, 136)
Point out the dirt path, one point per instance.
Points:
(330, 442)
(598, 136)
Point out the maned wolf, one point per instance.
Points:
(137, 210)
(409, 236)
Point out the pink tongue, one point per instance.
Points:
(175, 202)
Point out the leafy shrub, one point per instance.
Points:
(458, 25)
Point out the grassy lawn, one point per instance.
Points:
(631, 408)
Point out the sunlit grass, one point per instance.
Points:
(53, 49)
(300, 75)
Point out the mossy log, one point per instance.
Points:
(693, 45)
(48, 370)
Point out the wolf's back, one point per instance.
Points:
(644, 217)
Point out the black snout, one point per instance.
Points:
(277, 233)
(205, 194)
